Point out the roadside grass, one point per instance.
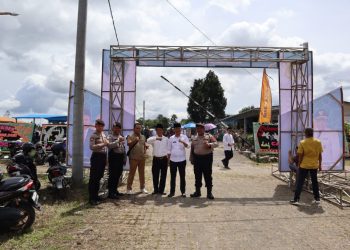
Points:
(54, 222)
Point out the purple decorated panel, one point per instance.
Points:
(130, 76)
(284, 148)
(129, 110)
(285, 110)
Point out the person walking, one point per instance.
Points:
(177, 155)
(201, 157)
(160, 159)
(98, 160)
(116, 160)
(228, 147)
(310, 159)
(137, 150)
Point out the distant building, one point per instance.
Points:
(245, 119)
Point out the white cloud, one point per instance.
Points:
(230, 5)
(9, 104)
(39, 46)
(285, 13)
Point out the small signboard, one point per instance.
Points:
(265, 138)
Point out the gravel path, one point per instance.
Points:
(250, 211)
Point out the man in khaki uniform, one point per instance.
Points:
(137, 149)
(98, 145)
(201, 157)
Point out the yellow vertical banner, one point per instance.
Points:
(265, 100)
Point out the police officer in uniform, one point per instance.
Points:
(98, 145)
(201, 157)
(116, 160)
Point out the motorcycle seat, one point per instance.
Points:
(13, 183)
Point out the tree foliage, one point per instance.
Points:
(209, 93)
(246, 109)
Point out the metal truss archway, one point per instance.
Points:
(295, 71)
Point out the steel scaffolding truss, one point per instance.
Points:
(207, 56)
(301, 116)
(210, 53)
(116, 103)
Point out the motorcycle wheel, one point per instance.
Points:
(27, 216)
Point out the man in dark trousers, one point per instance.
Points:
(160, 159)
(310, 160)
(228, 147)
(201, 157)
(98, 145)
(177, 154)
(116, 160)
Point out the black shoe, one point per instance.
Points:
(99, 199)
(94, 203)
(227, 167)
(210, 196)
(154, 193)
(171, 195)
(120, 194)
(161, 193)
(223, 162)
(294, 202)
(113, 197)
(183, 195)
(196, 194)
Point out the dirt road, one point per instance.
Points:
(250, 211)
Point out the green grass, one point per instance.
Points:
(53, 224)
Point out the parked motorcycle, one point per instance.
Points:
(41, 155)
(56, 173)
(18, 199)
(22, 164)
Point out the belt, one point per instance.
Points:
(159, 158)
(104, 153)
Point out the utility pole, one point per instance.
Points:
(79, 78)
(143, 115)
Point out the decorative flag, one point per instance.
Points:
(265, 100)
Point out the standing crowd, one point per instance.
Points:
(171, 152)
(167, 152)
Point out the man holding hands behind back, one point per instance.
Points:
(310, 160)
(160, 159)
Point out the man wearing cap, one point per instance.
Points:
(177, 155)
(98, 145)
(160, 159)
(116, 160)
(201, 157)
(228, 144)
(137, 149)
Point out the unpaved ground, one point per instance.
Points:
(250, 211)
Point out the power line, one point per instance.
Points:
(204, 34)
(191, 22)
(115, 30)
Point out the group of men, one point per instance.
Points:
(166, 152)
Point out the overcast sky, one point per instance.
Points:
(37, 48)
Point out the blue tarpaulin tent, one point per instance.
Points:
(189, 125)
(50, 118)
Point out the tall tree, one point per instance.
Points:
(209, 93)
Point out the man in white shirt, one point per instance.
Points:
(177, 154)
(160, 159)
(228, 145)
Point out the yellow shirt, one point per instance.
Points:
(310, 148)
